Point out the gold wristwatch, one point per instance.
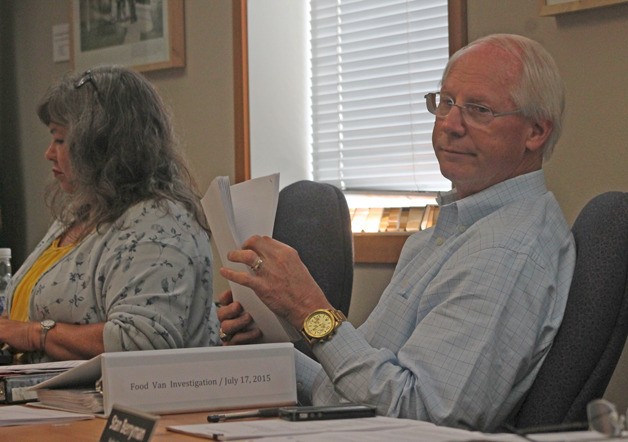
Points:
(321, 324)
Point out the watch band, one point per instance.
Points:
(46, 326)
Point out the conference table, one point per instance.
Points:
(91, 430)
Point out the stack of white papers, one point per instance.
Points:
(235, 213)
(45, 367)
(72, 399)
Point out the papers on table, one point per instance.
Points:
(440, 434)
(45, 367)
(276, 427)
(23, 415)
(373, 429)
(363, 429)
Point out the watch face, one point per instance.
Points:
(319, 324)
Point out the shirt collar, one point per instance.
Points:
(478, 205)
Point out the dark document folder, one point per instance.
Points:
(13, 387)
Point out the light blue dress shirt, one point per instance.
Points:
(460, 333)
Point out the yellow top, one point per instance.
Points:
(22, 293)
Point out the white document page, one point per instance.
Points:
(21, 415)
(44, 367)
(373, 429)
(255, 206)
(277, 427)
(235, 213)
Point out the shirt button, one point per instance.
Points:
(440, 240)
(461, 228)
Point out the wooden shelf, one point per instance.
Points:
(378, 248)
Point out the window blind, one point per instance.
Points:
(372, 63)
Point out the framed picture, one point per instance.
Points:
(554, 7)
(142, 34)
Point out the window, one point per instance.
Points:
(372, 63)
(279, 129)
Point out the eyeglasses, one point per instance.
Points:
(603, 418)
(472, 113)
(86, 78)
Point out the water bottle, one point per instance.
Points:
(5, 276)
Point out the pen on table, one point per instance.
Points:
(262, 412)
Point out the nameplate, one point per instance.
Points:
(191, 379)
(128, 425)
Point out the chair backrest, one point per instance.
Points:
(313, 218)
(593, 333)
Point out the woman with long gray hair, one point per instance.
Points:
(126, 264)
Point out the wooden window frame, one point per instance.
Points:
(382, 248)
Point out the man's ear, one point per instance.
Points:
(538, 135)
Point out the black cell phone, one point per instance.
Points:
(342, 411)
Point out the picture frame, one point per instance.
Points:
(555, 7)
(144, 35)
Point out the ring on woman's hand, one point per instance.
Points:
(224, 337)
(257, 265)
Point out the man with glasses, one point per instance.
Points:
(474, 304)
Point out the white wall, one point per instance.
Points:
(279, 89)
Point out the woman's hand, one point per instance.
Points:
(236, 325)
(278, 277)
(20, 336)
(63, 342)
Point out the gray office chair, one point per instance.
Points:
(593, 333)
(313, 218)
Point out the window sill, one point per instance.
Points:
(378, 248)
(395, 225)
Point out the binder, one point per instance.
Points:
(14, 389)
(186, 380)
